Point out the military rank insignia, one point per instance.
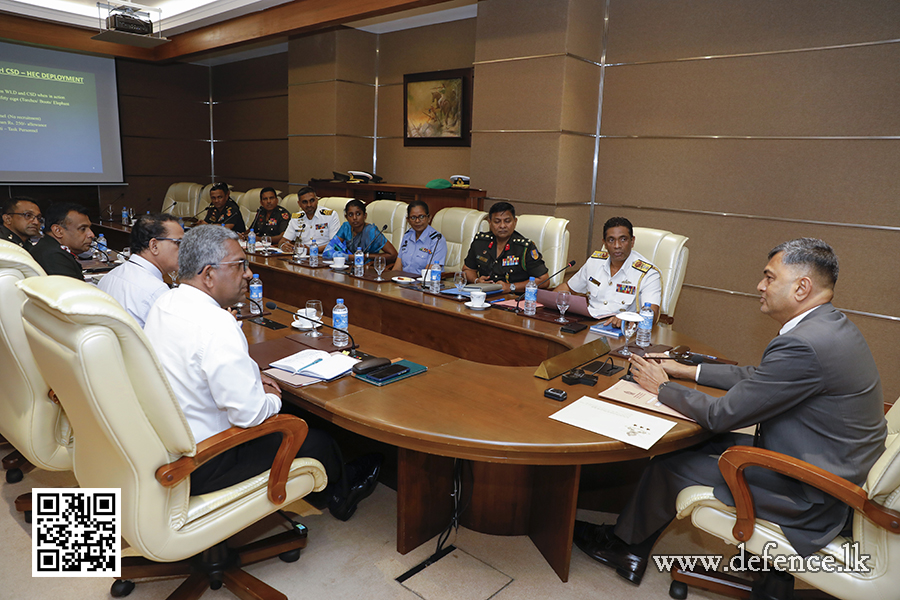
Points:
(642, 266)
(622, 288)
(601, 254)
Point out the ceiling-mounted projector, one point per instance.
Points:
(129, 23)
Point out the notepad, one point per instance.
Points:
(316, 363)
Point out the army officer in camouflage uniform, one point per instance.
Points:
(504, 255)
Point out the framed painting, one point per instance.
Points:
(437, 108)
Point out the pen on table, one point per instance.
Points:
(318, 360)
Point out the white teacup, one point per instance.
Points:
(477, 297)
(425, 275)
(339, 261)
(302, 323)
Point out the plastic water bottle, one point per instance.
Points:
(125, 219)
(256, 295)
(434, 279)
(645, 326)
(251, 241)
(340, 318)
(530, 297)
(359, 262)
(101, 246)
(313, 254)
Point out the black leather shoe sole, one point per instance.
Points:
(361, 489)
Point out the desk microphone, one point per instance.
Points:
(571, 263)
(433, 248)
(372, 243)
(202, 210)
(170, 207)
(273, 306)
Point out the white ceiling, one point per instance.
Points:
(178, 16)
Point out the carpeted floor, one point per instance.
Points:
(358, 559)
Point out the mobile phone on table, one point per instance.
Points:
(388, 372)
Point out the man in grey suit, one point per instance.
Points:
(816, 396)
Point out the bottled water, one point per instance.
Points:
(645, 326)
(434, 279)
(125, 219)
(359, 262)
(530, 297)
(340, 318)
(313, 254)
(101, 246)
(256, 295)
(251, 241)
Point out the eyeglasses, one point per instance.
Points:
(177, 242)
(29, 216)
(245, 264)
(417, 217)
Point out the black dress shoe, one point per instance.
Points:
(600, 543)
(362, 475)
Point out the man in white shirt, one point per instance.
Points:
(312, 225)
(617, 278)
(205, 357)
(137, 283)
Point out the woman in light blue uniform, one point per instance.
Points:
(421, 245)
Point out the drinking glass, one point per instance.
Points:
(628, 329)
(109, 209)
(459, 280)
(264, 243)
(314, 307)
(562, 303)
(379, 267)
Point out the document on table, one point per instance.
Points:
(617, 422)
(631, 393)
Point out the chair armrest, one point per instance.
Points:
(735, 459)
(293, 430)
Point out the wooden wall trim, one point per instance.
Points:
(300, 16)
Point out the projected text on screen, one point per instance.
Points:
(48, 120)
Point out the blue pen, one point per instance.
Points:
(318, 360)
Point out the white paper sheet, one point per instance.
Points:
(617, 422)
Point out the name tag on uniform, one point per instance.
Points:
(510, 261)
(481, 258)
(625, 289)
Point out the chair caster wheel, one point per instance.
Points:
(290, 556)
(121, 588)
(215, 584)
(14, 476)
(28, 516)
(678, 590)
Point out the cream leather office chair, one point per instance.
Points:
(29, 420)
(551, 237)
(250, 201)
(667, 251)
(336, 203)
(876, 523)
(459, 226)
(391, 213)
(182, 199)
(290, 203)
(131, 434)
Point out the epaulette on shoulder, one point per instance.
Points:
(326, 211)
(520, 240)
(601, 254)
(642, 265)
(296, 215)
(483, 235)
(434, 235)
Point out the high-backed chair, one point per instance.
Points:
(551, 237)
(459, 226)
(667, 251)
(29, 420)
(131, 434)
(876, 525)
(182, 199)
(337, 203)
(391, 213)
(290, 203)
(250, 201)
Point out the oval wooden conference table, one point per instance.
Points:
(479, 400)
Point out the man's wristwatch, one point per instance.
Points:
(512, 288)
